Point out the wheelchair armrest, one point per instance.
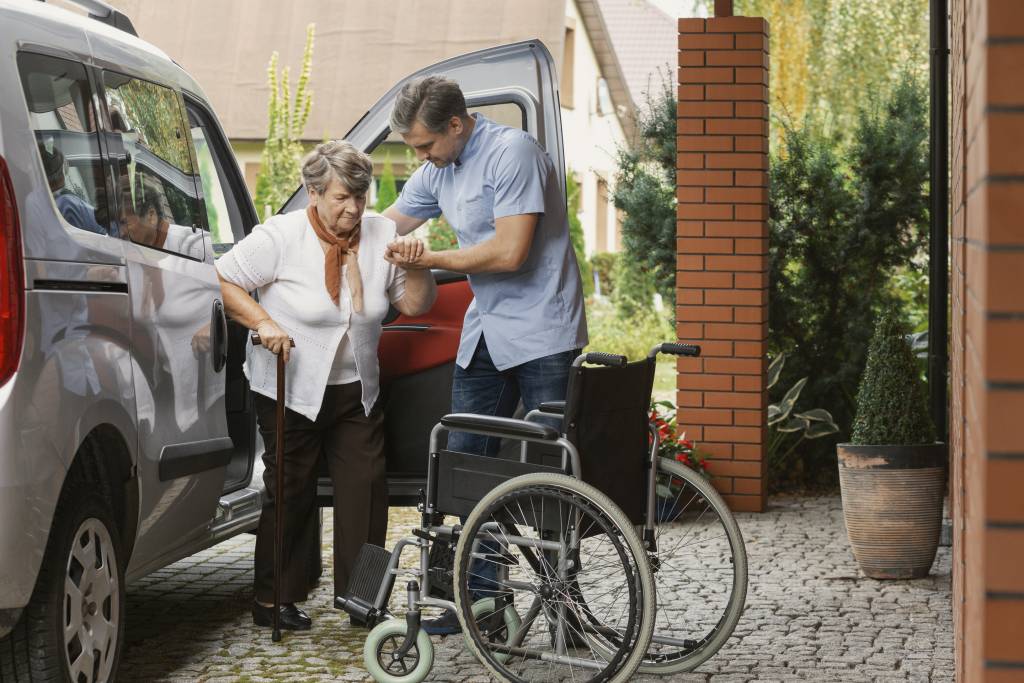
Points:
(552, 407)
(504, 427)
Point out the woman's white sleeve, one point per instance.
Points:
(396, 275)
(255, 261)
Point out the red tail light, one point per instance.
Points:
(12, 279)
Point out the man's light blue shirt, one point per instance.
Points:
(537, 310)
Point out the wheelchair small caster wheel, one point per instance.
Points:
(500, 626)
(380, 654)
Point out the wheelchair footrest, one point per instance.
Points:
(441, 559)
(368, 575)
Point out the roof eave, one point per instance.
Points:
(611, 69)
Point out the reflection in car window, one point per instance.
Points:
(217, 216)
(60, 108)
(158, 201)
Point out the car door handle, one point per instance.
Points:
(219, 336)
(406, 327)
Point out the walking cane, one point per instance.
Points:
(278, 490)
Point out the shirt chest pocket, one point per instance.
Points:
(476, 215)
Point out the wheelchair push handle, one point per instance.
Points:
(598, 358)
(675, 349)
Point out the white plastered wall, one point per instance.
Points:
(591, 137)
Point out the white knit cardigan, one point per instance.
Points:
(283, 261)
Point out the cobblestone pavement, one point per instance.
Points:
(809, 616)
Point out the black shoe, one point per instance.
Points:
(445, 625)
(292, 618)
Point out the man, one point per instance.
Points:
(500, 192)
(73, 208)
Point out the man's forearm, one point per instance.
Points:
(486, 257)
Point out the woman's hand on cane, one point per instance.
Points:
(273, 338)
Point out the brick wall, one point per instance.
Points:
(722, 247)
(987, 337)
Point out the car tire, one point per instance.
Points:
(80, 586)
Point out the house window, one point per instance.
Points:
(568, 67)
(602, 215)
(604, 98)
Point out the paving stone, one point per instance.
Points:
(810, 616)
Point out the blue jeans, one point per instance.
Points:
(482, 389)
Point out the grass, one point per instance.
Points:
(665, 380)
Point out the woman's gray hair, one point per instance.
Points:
(432, 101)
(340, 159)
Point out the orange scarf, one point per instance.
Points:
(340, 250)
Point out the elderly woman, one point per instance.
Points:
(325, 276)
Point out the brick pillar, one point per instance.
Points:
(722, 247)
(986, 337)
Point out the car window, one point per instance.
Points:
(60, 106)
(158, 201)
(223, 213)
(505, 113)
(436, 230)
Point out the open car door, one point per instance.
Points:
(514, 85)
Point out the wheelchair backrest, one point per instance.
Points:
(606, 418)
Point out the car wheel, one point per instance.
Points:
(73, 628)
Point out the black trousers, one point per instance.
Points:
(353, 446)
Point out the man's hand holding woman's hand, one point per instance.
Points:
(273, 338)
(408, 252)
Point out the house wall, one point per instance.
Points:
(987, 337)
(592, 135)
(722, 248)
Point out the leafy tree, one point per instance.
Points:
(645, 189)
(829, 56)
(843, 219)
(279, 165)
(634, 289)
(387, 192)
(154, 114)
(572, 192)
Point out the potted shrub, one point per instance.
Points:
(892, 474)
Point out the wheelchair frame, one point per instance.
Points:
(526, 431)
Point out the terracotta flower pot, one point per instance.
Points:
(892, 504)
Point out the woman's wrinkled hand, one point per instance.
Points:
(273, 338)
(201, 341)
(407, 252)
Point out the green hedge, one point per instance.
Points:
(632, 336)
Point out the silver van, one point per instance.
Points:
(127, 434)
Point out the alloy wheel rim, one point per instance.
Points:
(91, 609)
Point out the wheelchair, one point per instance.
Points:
(586, 558)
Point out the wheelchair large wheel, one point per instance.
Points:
(569, 564)
(700, 571)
